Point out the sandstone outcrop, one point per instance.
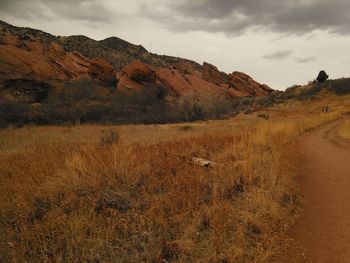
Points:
(101, 70)
(136, 76)
(181, 84)
(34, 62)
(26, 66)
(212, 74)
(182, 79)
(246, 85)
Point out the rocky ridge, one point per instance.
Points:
(33, 62)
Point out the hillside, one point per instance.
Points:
(46, 74)
(338, 86)
(116, 51)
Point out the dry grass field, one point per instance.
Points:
(344, 130)
(69, 196)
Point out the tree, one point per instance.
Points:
(322, 76)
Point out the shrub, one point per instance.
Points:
(89, 102)
(309, 92)
(264, 116)
(113, 199)
(186, 128)
(340, 86)
(110, 138)
(12, 112)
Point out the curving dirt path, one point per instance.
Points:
(323, 228)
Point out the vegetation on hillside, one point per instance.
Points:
(85, 102)
(336, 86)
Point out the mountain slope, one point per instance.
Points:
(45, 71)
(116, 51)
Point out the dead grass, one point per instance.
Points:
(67, 198)
(344, 130)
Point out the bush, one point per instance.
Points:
(186, 128)
(16, 113)
(264, 116)
(88, 102)
(309, 92)
(110, 138)
(340, 86)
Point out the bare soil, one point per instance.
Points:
(323, 228)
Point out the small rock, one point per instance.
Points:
(202, 162)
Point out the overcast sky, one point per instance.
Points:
(277, 42)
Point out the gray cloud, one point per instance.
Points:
(91, 11)
(232, 17)
(278, 55)
(237, 16)
(305, 60)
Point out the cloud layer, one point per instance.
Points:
(279, 55)
(91, 11)
(232, 17)
(306, 59)
(237, 16)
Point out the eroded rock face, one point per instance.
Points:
(186, 68)
(135, 76)
(32, 63)
(182, 79)
(28, 66)
(67, 65)
(246, 85)
(140, 72)
(237, 83)
(101, 70)
(180, 84)
(212, 74)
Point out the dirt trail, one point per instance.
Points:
(324, 226)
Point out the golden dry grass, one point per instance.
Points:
(344, 130)
(66, 198)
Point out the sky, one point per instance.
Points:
(277, 42)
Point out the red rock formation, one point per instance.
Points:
(140, 72)
(182, 79)
(136, 76)
(101, 70)
(68, 65)
(29, 65)
(246, 85)
(212, 74)
(181, 84)
(39, 62)
(185, 67)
